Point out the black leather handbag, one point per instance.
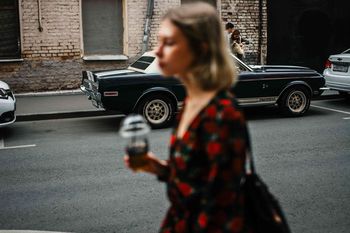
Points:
(262, 210)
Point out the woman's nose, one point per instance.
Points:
(158, 50)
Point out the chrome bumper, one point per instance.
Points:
(88, 89)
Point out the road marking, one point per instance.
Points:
(2, 145)
(16, 147)
(346, 118)
(331, 109)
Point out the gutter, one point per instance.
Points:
(146, 31)
(259, 58)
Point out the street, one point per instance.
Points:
(68, 175)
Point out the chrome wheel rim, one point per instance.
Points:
(296, 101)
(156, 111)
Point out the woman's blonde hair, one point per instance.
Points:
(213, 67)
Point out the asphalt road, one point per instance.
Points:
(68, 175)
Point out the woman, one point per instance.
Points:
(210, 139)
(237, 44)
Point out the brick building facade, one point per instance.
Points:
(55, 42)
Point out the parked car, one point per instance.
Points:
(7, 105)
(337, 72)
(140, 88)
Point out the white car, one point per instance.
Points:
(337, 72)
(7, 105)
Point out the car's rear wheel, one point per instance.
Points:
(295, 101)
(158, 110)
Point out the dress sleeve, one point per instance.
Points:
(225, 142)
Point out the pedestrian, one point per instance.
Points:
(209, 141)
(237, 47)
(229, 28)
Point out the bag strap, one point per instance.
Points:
(249, 161)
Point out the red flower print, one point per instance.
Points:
(186, 136)
(180, 226)
(231, 113)
(184, 188)
(236, 224)
(211, 111)
(213, 149)
(202, 220)
(225, 102)
(180, 163)
(172, 140)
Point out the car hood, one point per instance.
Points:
(4, 85)
(114, 73)
(279, 68)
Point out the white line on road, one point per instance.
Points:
(16, 147)
(330, 109)
(346, 118)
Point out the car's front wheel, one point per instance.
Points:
(295, 101)
(157, 109)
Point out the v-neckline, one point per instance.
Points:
(198, 115)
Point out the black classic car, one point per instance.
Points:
(141, 89)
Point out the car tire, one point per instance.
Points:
(158, 110)
(295, 101)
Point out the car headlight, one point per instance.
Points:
(5, 94)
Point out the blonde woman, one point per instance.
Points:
(210, 138)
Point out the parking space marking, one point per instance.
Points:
(16, 147)
(2, 145)
(331, 109)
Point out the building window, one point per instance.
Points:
(10, 43)
(212, 2)
(102, 27)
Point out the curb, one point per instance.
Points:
(64, 115)
(51, 93)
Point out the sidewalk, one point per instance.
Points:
(70, 104)
(55, 105)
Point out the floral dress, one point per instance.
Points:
(205, 169)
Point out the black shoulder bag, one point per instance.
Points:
(262, 210)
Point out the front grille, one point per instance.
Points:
(7, 117)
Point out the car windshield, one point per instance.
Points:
(146, 64)
(240, 65)
(346, 51)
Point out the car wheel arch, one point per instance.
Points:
(299, 91)
(158, 107)
(157, 91)
(294, 85)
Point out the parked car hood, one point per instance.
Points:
(279, 68)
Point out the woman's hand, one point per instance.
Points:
(150, 164)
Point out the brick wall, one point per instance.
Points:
(52, 57)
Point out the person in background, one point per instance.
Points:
(237, 46)
(210, 139)
(229, 28)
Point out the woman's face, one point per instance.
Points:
(173, 51)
